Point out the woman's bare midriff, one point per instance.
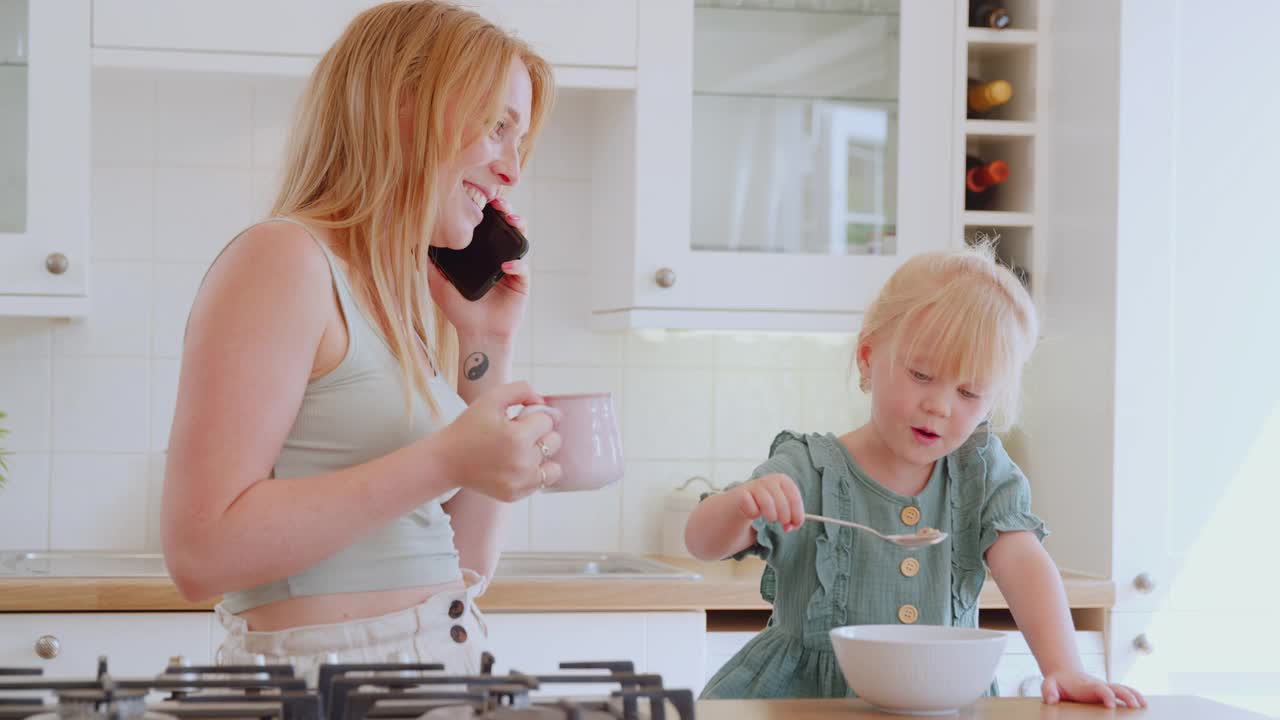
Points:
(337, 608)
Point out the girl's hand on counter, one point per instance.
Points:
(1076, 686)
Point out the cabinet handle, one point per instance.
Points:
(1144, 583)
(665, 277)
(48, 647)
(1030, 686)
(56, 263)
(1142, 644)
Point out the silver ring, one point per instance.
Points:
(542, 478)
(546, 451)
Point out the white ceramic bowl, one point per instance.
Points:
(918, 669)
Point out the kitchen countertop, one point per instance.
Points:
(1165, 707)
(724, 586)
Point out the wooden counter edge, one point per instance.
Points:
(87, 594)
(722, 587)
(1170, 707)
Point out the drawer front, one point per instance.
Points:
(69, 644)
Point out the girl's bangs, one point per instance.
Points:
(968, 340)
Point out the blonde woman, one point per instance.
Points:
(330, 473)
(941, 352)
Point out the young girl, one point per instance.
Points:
(941, 351)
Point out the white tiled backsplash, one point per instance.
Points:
(182, 162)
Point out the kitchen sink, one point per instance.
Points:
(565, 566)
(77, 563)
(512, 565)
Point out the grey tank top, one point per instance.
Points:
(351, 415)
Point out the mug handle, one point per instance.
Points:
(555, 413)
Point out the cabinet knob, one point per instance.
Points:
(56, 263)
(1144, 583)
(1030, 686)
(1142, 644)
(48, 647)
(665, 277)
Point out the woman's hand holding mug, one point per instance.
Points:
(591, 452)
(504, 458)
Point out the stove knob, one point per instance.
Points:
(48, 646)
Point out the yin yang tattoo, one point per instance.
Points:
(475, 366)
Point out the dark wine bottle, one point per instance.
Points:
(988, 14)
(980, 181)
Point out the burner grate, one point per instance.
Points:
(361, 691)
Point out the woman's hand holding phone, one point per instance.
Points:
(498, 313)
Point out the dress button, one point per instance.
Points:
(909, 567)
(908, 614)
(458, 633)
(455, 609)
(910, 515)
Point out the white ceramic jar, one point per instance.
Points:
(675, 514)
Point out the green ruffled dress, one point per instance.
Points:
(823, 576)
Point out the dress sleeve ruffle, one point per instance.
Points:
(989, 494)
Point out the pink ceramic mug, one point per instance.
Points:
(591, 454)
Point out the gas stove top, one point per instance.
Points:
(383, 691)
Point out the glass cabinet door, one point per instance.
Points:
(13, 116)
(795, 126)
(45, 62)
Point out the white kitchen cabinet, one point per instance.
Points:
(672, 644)
(590, 42)
(722, 646)
(773, 165)
(1227, 657)
(1150, 437)
(586, 33)
(44, 157)
(136, 644)
(669, 643)
(273, 27)
(1196, 601)
(1018, 674)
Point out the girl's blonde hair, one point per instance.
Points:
(350, 167)
(967, 313)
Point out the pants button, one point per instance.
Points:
(458, 633)
(455, 609)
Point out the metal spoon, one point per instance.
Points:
(910, 542)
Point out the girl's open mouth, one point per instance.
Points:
(924, 436)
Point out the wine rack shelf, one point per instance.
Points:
(1012, 213)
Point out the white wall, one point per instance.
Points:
(181, 162)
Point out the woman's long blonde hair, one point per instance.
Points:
(976, 315)
(350, 167)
